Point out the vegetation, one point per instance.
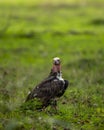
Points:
(31, 34)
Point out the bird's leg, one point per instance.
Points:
(54, 105)
(45, 104)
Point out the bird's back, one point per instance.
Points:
(47, 89)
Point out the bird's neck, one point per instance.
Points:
(59, 74)
(56, 68)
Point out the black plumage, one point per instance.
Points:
(51, 88)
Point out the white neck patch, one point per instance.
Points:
(59, 76)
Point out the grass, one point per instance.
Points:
(31, 34)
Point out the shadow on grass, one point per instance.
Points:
(33, 34)
(97, 22)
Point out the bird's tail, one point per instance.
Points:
(31, 95)
(28, 97)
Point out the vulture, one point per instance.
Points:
(51, 88)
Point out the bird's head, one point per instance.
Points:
(56, 61)
(56, 64)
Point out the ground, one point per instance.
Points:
(31, 34)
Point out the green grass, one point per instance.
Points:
(31, 34)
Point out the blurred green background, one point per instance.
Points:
(31, 34)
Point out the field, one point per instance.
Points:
(31, 34)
